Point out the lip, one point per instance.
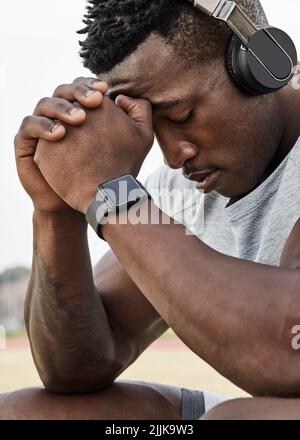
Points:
(206, 179)
(200, 175)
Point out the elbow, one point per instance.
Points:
(77, 383)
(73, 386)
(81, 379)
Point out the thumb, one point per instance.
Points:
(139, 110)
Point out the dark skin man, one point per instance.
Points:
(86, 328)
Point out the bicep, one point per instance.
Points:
(130, 314)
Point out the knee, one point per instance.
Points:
(236, 409)
(121, 400)
(16, 404)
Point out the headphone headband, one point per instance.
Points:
(231, 13)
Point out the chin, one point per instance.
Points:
(231, 192)
(225, 193)
(235, 187)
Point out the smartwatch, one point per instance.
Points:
(112, 197)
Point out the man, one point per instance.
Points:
(164, 65)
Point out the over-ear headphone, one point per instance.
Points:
(259, 60)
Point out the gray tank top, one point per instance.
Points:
(254, 228)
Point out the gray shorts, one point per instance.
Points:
(196, 403)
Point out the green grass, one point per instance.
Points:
(16, 334)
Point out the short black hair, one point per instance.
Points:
(116, 28)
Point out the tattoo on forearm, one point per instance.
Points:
(64, 322)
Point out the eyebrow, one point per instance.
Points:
(160, 105)
(165, 104)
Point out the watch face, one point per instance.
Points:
(122, 191)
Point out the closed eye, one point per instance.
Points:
(185, 120)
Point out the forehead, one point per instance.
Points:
(154, 72)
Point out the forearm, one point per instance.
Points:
(70, 335)
(235, 314)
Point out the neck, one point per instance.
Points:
(289, 105)
(289, 111)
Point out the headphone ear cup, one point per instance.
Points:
(230, 58)
(233, 66)
(249, 73)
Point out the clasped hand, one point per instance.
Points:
(79, 139)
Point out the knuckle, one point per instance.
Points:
(62, 105)
(43, 102)
(32, 126)
(80, 89)
(60, 89)
(26, 121)
(87, 81)
(80, 79)
(44, 124)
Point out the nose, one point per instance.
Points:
(176, 145)
(177, 154)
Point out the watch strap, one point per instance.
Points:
(96, 211)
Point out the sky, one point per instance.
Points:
(39, 50)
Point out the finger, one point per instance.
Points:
(34, 128)
(93, 83)
(139, 110)
(87, 91)
(64, 111)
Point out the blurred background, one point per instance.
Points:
(39, 50)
